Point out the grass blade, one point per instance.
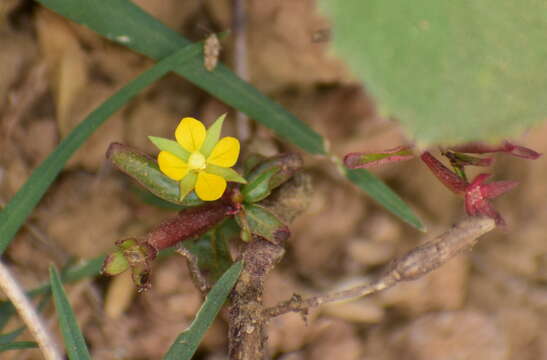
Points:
(384, 195)
(21, 205)
(187, 342)
(72, 336)
(127, 24)
(18, 345)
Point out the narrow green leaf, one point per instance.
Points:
(213, 134)
(11, 336)
(127, 24)
(188, 341)
(72, 336)
(18, 345)
(380, 192)
(21, 205)
(170, 146)
(227, 173)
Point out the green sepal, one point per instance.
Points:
(146, 172)
(227, 173)
(259, 188)
(213, 134)
(115, 263)
(138, 256)
(263, 223)
(187, 184)
(170, 146)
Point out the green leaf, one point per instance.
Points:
(170, 146)
(263, 223)
(18, 345)
(72, 336)
(146, 172)
(213, 134)
(384, 196)
(227, 173)
(187, 342)
(127, 24)
(449, 71)
(259, 188)
(21, 205)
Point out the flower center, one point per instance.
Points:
(197, 161)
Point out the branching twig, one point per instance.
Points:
(30, 317)
(198, 278)
(413, 265)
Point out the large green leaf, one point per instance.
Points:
(449, 71)
(21, 205)
(74, 341)
(127, 24)
(187, 342)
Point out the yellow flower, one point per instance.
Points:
(198, 159)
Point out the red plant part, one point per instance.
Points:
(505, 147)
(444, 174)
(361, 160)
(477, 194)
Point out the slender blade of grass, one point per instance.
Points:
(18, 345)
(384, 196)
(21, 205)
(187, 342)
(128, 25)
(72, 336)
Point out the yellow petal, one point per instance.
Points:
(209, 187)
(172, 166)
(225, 152)
(190, 134)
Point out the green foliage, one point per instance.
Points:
(449, 71)
(74, 341)
(187, 342)
(121, 19)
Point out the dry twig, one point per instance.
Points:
(411, 266)
(28, 313)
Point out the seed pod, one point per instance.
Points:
(145, 171)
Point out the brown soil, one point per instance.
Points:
(489, 304)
